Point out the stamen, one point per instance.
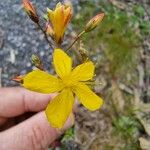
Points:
(93, 83)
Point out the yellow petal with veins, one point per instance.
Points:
(83, 72)
(62, 63)
(59, 108)
(40, 81)
(87, 97)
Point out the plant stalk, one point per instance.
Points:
(45, 35)
(76, 39)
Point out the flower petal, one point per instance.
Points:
(87, 97)
(62, 63)
(58, 23)
(50, 14)
(83, 72)
(58, 5)
(59, 108)
(68, 15)
(42, 82)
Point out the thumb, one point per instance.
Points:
(33, 134)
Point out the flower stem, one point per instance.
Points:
(45, 35)
(76, 39)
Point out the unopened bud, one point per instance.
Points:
(93, 23)
(18, 79)
(30, 10)
(84, 54)
(36, 61)
(49, 29)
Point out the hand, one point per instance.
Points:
(34, 133)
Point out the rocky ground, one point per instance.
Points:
(19, 40)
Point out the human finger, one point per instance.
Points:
(16, 101)
(33, 134)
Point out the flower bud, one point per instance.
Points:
(84, 54)
(36, 61)
(18, 79)
(60, 18)
(93, 23)
(30, 10)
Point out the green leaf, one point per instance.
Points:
(139, 10)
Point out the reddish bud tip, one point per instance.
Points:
(30, 10)
(93, 23)
(18, 79)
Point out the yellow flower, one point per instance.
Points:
(59, 18)
(69, 82)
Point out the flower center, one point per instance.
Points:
(68, 82)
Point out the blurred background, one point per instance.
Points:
(120, 47)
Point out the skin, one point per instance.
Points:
(33, 133)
